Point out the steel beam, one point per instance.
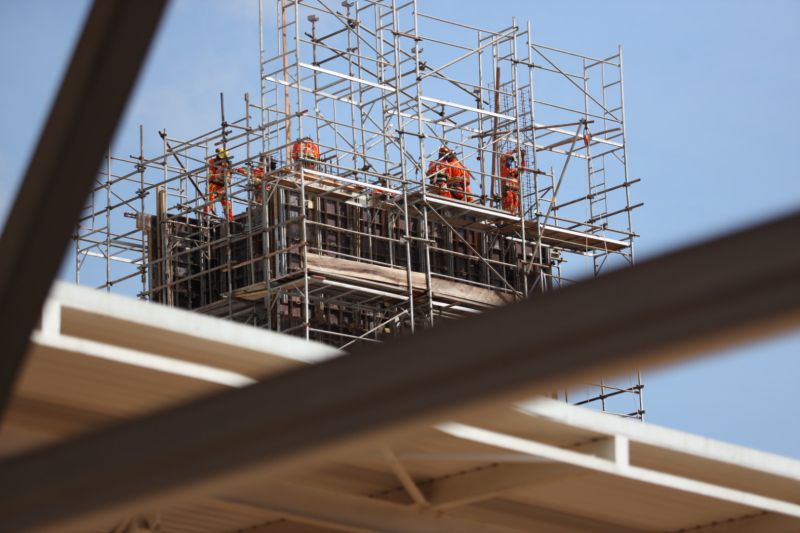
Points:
(621, 468)
(492, 481)
(649, 314)
(353, 513)
(84, 116)
(527, 517)
(773, 523)
(410, 486)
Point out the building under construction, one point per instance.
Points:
(359, 245)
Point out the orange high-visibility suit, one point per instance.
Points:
(509, 186)
(450, 173)
(306, 149)
(437, 173)
(219, 174)
(458, 180)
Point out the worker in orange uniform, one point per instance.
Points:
(306, 152)
(457, 176)
(509, 186)
(437, 173)
(256, 174)
(219, 175)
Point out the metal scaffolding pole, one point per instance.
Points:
(359, 246)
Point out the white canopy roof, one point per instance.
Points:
(538, 466)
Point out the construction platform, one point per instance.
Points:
(358, 246)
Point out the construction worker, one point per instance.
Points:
(306, 152)
(265, 164)
(509, 184)
(437, 173)
(219, 175)
(457, 176)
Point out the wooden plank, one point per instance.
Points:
(394, 277)
(464, 292)
(356, 270)
(389, 279)
(319, 186)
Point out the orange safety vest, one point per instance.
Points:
(437, 172)
(305, 150)
(509, 171)
(457, 175)
(219, 171)
(453, 170)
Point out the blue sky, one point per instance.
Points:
(712, 109)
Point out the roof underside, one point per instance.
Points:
(543, 466)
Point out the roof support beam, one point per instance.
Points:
(527, 517)
(620, 467)
(492, 481)
(773, 523)
(651, 314)
(751, 470)
(84, 116)
(354, 513)
(404, 477)
(509, 472)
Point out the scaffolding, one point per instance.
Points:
(359, 245)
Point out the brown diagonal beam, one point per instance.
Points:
(93, 93)
(698, 299)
